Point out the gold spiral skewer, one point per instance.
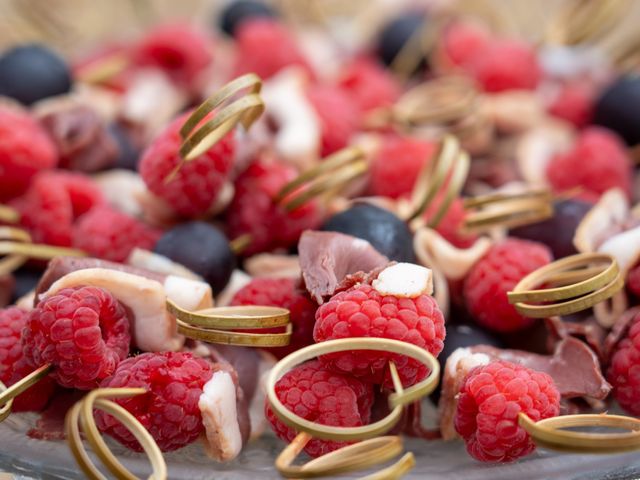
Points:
(8, 214)
(361, 455)
(509, 210)
(331, 175)
(80, 418)
(584, 21)
(583, 285)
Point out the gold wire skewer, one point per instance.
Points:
(548, 433)
(8, 214)
(332, 174)
(508, 210)
(245, 110)
(359, 456)
(104, 69)
(583, 21)
(5, 408)
(217, 325)
(446, 173)
(81, 415)
(8, 394)
(578, 296)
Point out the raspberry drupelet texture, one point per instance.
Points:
(169, 410)
(13, 366)
(265, 46)
(320, 395)
(451, 225)
(502, 267)
(338, 114)
(52, 203)
(363, 312)
(109, 234)
(82, 332)
(282, 292)
(490, 400)
(253, 210)
(369, 85)
(598, 161)
(624, 369)
(193, 190)
(398, 163)
(179, 50)
(25, 149)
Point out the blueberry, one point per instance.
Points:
(381, 228)
(26, 280)
(618, 108)
(395, 34)
(202, 248)
(557, 232)
(241, 10)
(29, 73)
(128, 154)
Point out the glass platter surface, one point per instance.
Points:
(28, 458)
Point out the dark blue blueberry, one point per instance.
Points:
(557, 232)
(241, 10)
(202, 248)
(395, 35)
(26, 280)
(128, 154)
(29, 73)
(381, 228)
(618, 108)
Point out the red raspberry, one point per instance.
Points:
(13, 366)
(451, 225)
(25, 149)
(83, 332)
(574, 103)
(253, 211)
(265, 46)
(369, 85)
(633, 280)
(322, 396)
(178, 49)
(506, 65)
(489, 402)
(282, 292)
(461, 42)
(624, 369)
(363, 312)
(397, 164)
(338, 114)
(194, 189)
(597, 162)
(169, 410)
(53, 201)
(112, 235)
(489, 280)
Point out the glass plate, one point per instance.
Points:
(434, 459)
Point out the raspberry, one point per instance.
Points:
(25, 149)
(264, 47)
(282, 292)
(574, 104)
(338, 114)
(462, 41)
(322, 396)
(502, 267)
(83, 332)
(633, 280)
(624, 369)
(490, 399)
(196, 185)
(506, 65)
(53, 201)
(363, 312)
(112, 235)
(450, 227)
(369, 85)
(253, 211)
(597, 162)
(178, 49)
(169, 410)
(397, 164)
(14, 367)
